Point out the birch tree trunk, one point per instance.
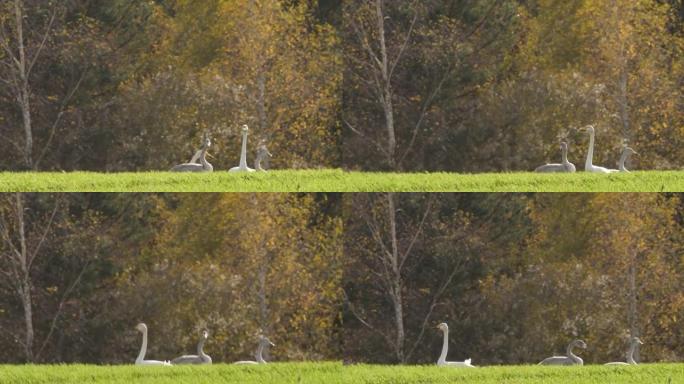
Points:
(23, 90)
(24, 281)
(386, 98)
(397, 281)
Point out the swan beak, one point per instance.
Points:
(210, 155)
(272, 345)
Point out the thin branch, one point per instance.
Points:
(358, 132)
(433, 304)
(66, 294)
(4, 229)
(363, 39)
(62, 107)
(42, 43)
(415, 236)
(43, 236)
(423, 113)
(5, 45)
(481, 22)
(365, 323)
(403, 46)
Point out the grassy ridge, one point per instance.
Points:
(341, 181)
(336, 373)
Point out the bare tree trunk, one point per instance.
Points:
(24, 281)
(397, 281)
(633, 315)
(24, 91)
(387, 104)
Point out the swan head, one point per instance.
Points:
(580, 344)
(264, 340)
(245, 128)
(443, 327)
(207, 141)
(563, 146)
(141, 327)
(588, 128)
(205, 334)
(629, 150)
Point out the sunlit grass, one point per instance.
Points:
(337, 373)
(341, 181)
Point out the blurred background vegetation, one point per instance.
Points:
(239, 265)
(483, 85)
(360, 277)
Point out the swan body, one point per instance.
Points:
(564, 166)
(140, 360)
(588, 164)
(570, 359)
(445, 348)
(200, 357)
(626, 153)
(192, 166)
(243, 154)
(634, 342)
(263, 342)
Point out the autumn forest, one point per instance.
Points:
(468, 86)
(465, 85)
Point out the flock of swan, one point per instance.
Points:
(262, 154)
(204, 166)
(569, 359)
(200, 357)
(566, 166)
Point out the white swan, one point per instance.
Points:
(626, 152)
(243, 154)
(143, 349)
(588, 166)
(564, 166)
(263, 342)
(445, 347)
(570, 359)
(200, 357)
(203, 166)
(630, 353)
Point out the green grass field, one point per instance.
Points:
(337, 373)
(341, 181)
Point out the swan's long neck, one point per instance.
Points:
(630, 353)
(143, 347)
(243, 152)
(623, 159)
(200, 347)
(260, 353)
(445, 347)
(203, 158)
(572, 355)
(564, 155)
(590, 154)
